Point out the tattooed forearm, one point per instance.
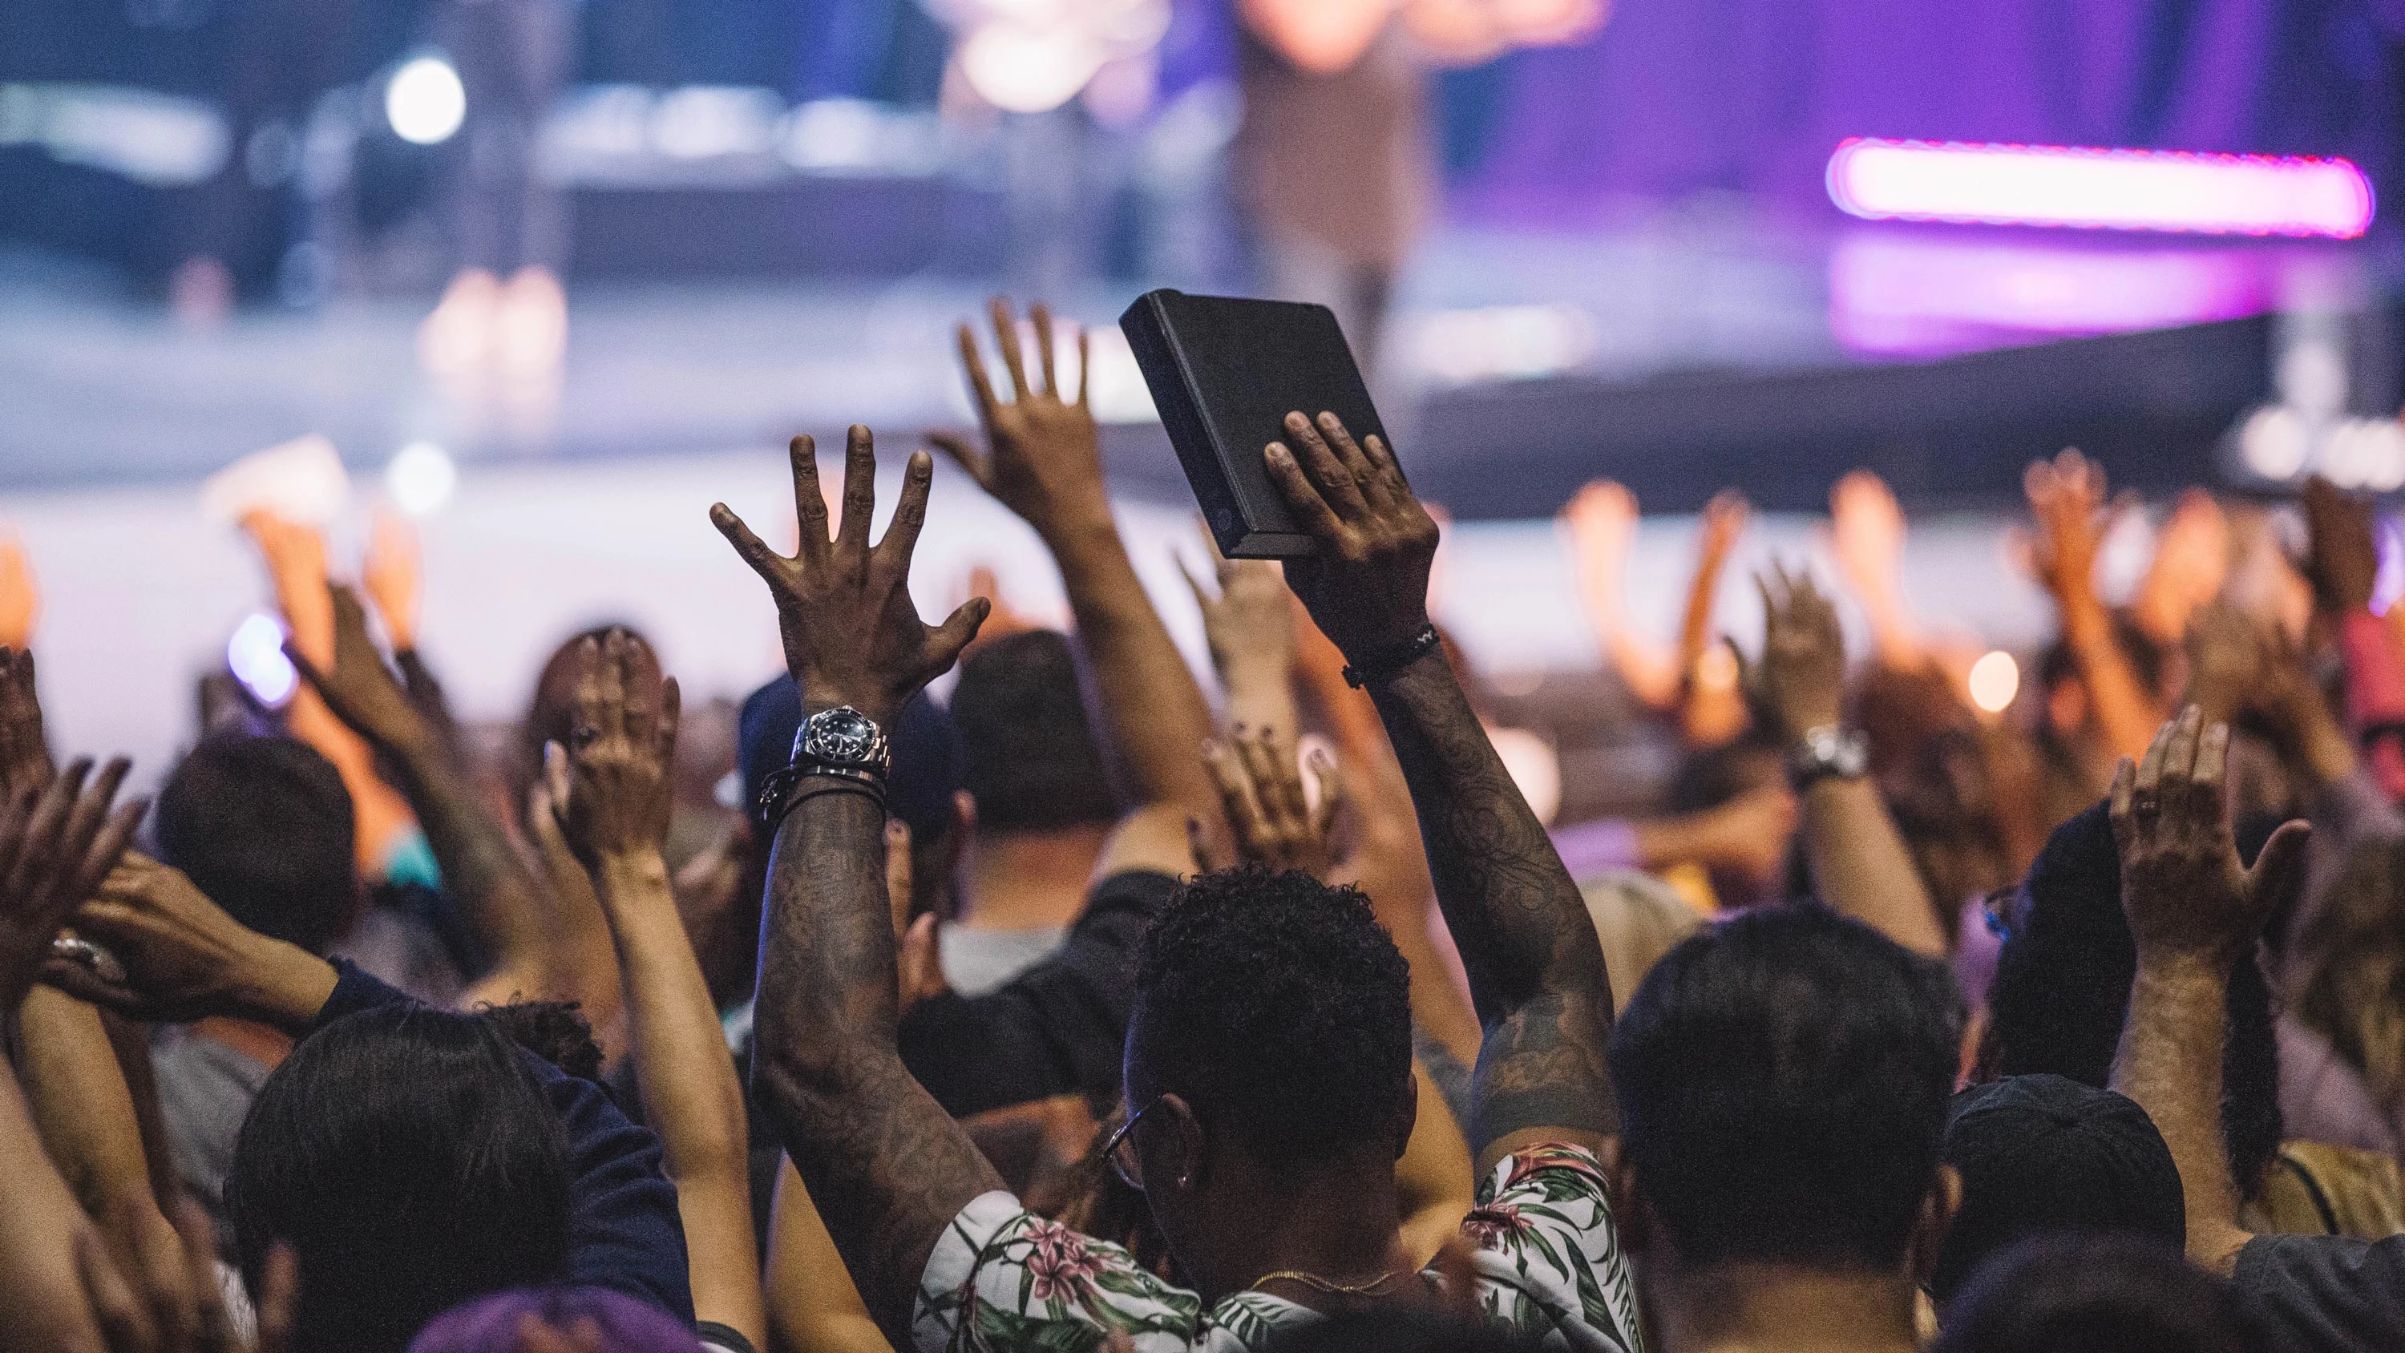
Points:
(1535, 969)
(888, 1168)
(1543, 1067)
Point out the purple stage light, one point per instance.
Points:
(2181, 191)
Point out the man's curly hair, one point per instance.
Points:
(1279, 1008)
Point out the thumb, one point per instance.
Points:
(951, 637)
(921, 962)
(2279, 873)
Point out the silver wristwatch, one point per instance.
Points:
(843, 740)
(1828, 753)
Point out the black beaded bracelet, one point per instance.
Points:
(1395, 659)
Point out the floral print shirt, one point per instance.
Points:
(1548, 1261)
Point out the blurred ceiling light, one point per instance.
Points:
(424, 101)
(255, 655)
(2271, 443)
(1894, 292)
(1534, 765)
(420, 478)
(2087, 188)
(1026, 69)
(1995, 680)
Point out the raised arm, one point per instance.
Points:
(1601, 523)
(1248, 623)
(609, 793)
(1860, 866)
(1043, 461)
(1866, 537)
(542, 945)
(295, 556)
(2195, 913)
(888, 1168)
(2068, 507)
(1536, 972)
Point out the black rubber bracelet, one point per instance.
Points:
(783, 790)
(1395, 659)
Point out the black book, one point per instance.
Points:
(1224, 373)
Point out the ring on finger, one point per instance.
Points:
(91, 957)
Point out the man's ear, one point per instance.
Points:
(1937, 1217)
(1186, 1148)
(1630, 1216)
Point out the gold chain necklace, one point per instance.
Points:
(1329, 1286)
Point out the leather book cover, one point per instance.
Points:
(1224, 373)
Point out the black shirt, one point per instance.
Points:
(2327, 1294)
(1055, 1029)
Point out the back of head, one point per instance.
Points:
(409, 1159)
(606, 1321)
(2094, 1294)
(2062, 987)
(1783, 1080)
(2041, 1155)
(1278, 1007)
(1029, 757)
(263, 826)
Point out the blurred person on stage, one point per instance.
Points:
(1334, 164)
(504, 308)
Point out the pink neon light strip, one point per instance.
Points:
(2099, 189)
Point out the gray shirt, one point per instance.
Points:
(205, 1090)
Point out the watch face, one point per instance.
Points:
(844, 736)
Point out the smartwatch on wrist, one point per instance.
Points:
(1828, 752)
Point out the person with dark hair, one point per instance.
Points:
(1043, 802)
(408, 1158)
(2095, 1294)
(2062, 986)
(1277, 1194)
(263, 827)
(1783, 1081)
(2043, 1156)
(411, 1158)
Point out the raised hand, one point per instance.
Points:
(2070, 517)
(392, 578)
(1247, 613)
(1601, 523)
(2185, 891)
(1800, 682)
(355, 683)
(20, 598)
(852, 635)
(1268, 812)
(181, 957)
(24, 750)
(1866, 533)
(1367, 587)
(1043, 456)
(2342, 560)
(2191, 563)
(56, 844)
(611, 785)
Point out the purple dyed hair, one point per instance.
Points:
(490, 1324)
